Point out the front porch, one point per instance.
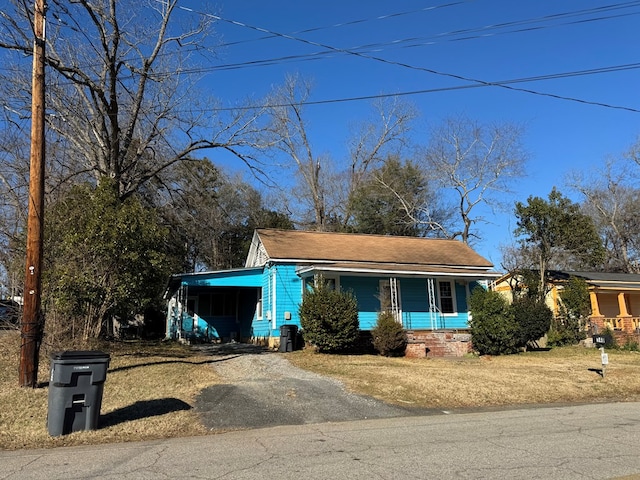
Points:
(616, 311)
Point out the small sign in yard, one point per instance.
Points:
(605, 361)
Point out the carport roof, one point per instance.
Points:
(239, 277)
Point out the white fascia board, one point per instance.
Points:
(404, 273)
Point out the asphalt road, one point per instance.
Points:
(378, 441)
(578, 442)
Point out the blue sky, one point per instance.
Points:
(549, 37)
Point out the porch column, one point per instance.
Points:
(595, 309)
(622, 305)
(625, 318)
(596, 319)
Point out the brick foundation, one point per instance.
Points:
(437, 344)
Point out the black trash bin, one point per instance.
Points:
(288, 338)
(75, 390)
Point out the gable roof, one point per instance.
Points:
(376, 251)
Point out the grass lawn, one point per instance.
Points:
(151, 387)
(148, 394)
(569, 374)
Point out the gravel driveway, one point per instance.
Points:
(263, 389)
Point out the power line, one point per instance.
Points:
(402, 43)
(354, 22)
(568, 14)
(475, 82)
(412, 42)
(633, 66)
(537, 78)
(479, 82)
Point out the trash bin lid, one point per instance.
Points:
(79, 355)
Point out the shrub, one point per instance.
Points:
(565, 332)
(329, 318)
(389, 338)
(533, 319)
(609, 338)
(574, 309)
(493, 328)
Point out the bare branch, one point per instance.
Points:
(476, 162)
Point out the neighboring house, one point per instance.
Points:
(424, 282)
(615, 297)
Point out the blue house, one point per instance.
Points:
(424, 282)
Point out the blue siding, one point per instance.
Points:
(288, 295)
(262, 328)
(230, 278)
(461, 318)
(280, 283)
(366, 291)
(415, 303)
(283, 280)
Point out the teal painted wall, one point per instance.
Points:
(365, 289)
(283, 280)
(414, 302)
(288, 294)
(261, 328)
(231, 278)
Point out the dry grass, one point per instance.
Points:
(559, 375)
(148, 394)
(150, 388)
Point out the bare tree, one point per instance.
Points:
(288, 130)
(14, 185)
(324, 187)
(375, 140)
(633, 154)
(612, 201)
(120, 87)
(478, 162)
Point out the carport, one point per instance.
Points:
(213, 306)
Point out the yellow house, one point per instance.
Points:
(615, 297)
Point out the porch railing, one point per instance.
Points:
(616, 323)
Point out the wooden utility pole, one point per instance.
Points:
(32, 321)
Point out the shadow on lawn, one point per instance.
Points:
(167, 362)
(227, 351)
(143, 409)
(599, 371)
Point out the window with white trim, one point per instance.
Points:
(259, 305)
(446, 297)
(332, 282)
